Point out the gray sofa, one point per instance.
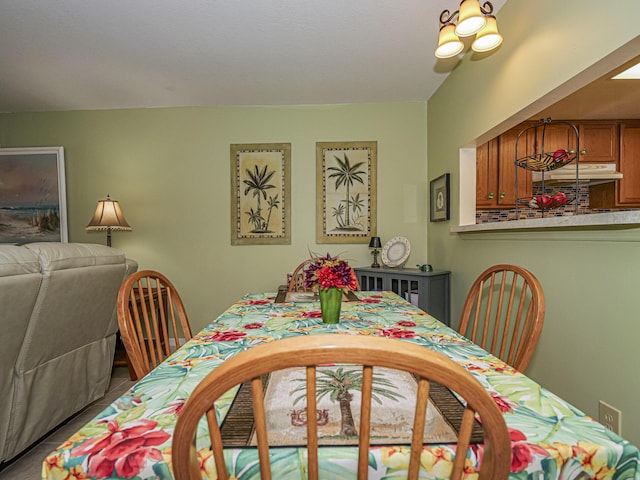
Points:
(58, 324)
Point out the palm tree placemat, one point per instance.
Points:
(338, 409)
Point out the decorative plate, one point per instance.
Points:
(396, 251)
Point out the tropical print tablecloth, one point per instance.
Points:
(131, 439)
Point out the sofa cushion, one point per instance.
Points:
(62, 256)
(16, 260)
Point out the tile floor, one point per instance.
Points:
(28, 465)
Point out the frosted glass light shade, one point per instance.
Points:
(449, 45)
(488, 38)
(470, 18)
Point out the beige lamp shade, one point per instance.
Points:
(449, 45)
(470, 18)
(488, 38)
(108, 217)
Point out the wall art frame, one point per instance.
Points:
(260, 194)
(439, 202)
(33, 205)
(346, 191)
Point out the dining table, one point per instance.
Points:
(131, 439)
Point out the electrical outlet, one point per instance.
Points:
(610, 417)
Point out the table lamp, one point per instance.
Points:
(108, 217)
(376, 244)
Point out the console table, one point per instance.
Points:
(429, 291)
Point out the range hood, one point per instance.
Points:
(589, 173)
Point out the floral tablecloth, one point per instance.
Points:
(132, 438)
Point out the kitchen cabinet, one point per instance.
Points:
(487, 175)
(496, 171)
(600, 142)
(556, 136)
(429, 291)
(623, 193)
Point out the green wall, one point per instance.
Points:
(170, 170)
(589, 349)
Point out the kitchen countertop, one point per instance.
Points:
(626, 219)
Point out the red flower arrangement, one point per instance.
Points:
(327, 272)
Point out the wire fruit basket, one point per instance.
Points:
(545, 162)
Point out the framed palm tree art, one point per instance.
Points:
(346, 191)
(260, 194)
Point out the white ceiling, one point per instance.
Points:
(98, 54)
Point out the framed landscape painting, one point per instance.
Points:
(260, 194)
(346, 191)
(32, 195)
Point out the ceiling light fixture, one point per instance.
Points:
(472, 19)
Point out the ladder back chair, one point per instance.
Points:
(371, 352)
(297, 278)
(504, 313)
(152, 320)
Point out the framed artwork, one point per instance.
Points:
(346, 191)
(260, 194)
(33, 206)
(440, 198)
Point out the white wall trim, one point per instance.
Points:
(467, 198)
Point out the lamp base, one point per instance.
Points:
(375, 263)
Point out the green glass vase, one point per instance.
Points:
(330, 303)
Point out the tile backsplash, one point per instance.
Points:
(524, 212)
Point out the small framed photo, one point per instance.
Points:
(440, 198)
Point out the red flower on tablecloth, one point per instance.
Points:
(522, 453)
(260, 302)
(312, 314)
(370, 300)
(123, 450)
(227, 336)
(503, 403)
(407, 323)
(176, 406)
(253, 326)
(394, 332)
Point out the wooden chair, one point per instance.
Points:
(296, 281)
(312, 350)
(504, 312)
(151, 318)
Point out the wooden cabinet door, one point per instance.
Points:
(487, 175)
(629, 185)
(507, 167)
(556, 136)
(600, 140)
